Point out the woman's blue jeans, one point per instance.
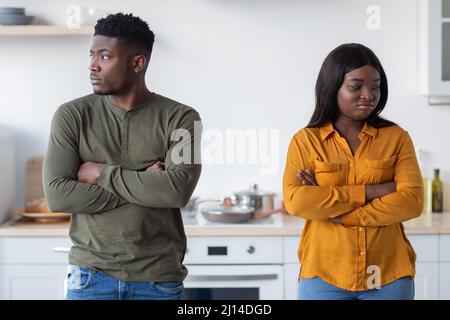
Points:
(88, 284)
(317, 289)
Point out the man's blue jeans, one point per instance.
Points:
(88, 284)
(317, 289)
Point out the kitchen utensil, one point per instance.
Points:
(12, 10)
(191, 208)
(44, 217)
(15, 19)
(231, 214)
(253, 197)
(33, 179)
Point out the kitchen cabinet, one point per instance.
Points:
(291, 267)
(434, 50)
(32, 282)
(33, 267)
(291, 272)
(426, 281)
(444, 267)
(427, 266)
(444, 280)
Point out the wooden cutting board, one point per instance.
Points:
(33, 179)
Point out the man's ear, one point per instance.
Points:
(139, 63)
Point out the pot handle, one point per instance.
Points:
(263, 214)
(193, 203)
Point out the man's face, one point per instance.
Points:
(111, 67)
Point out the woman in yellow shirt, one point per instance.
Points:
(354, 177)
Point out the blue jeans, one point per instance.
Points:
(317, 289)
(88, 284)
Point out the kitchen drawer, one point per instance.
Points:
(425, 246)
(291, 248)
(444, 247)
(234, 250)
(33, 250)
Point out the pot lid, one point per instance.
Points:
(237, 209)
(253, 190)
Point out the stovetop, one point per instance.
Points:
(274, 220)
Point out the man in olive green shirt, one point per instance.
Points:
(123, 161)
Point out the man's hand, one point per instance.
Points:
(157, 166)
(307, 177)
(89, 172)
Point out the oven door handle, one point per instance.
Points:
(232, 277)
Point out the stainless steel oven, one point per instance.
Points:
(234, 268)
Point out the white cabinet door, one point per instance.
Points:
(444, 281)
(33, 267)
(427, 281)
(290, 245)
(32, 282)
(426, 247)
(434, 47)
(291, 272)
(291, 267)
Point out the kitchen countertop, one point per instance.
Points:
(281, 225)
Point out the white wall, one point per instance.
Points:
(240, 63)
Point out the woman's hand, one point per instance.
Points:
(379, 190)
(307, 177)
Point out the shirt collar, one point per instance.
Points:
(121, 111)
(368, 129)
(328, 129)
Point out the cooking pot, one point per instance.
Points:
(241, 207)
(262, 201)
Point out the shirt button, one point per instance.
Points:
(361, 253)
(361, 229)
(351, 164)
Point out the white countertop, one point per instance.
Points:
(283, 225)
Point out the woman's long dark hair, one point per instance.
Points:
(340, 61)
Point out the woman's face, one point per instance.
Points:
(359, 93)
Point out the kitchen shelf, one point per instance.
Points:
(43, 30)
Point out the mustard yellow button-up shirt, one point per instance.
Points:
(370, 247)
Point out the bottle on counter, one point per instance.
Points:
(427, 181)
(437, 193)
(427, 195)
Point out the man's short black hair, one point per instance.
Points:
(127, 27)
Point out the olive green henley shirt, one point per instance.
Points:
(129, 225)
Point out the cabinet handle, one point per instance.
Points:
(61, 249)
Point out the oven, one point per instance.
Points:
(234, 268)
